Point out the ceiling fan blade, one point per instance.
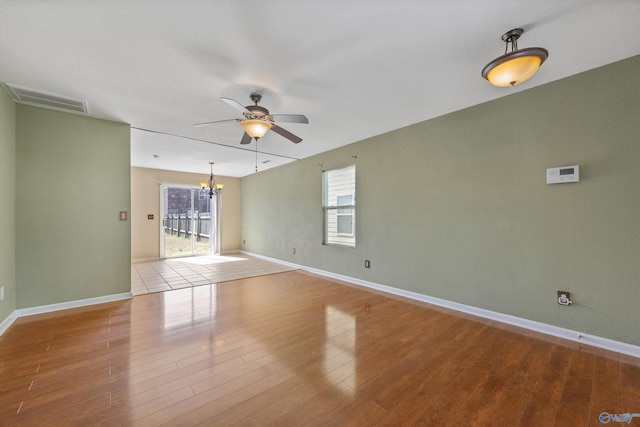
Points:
(283, 132)
(235, 104)
(290, 118)
(215, 121)
(246, 139)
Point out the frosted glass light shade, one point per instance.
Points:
(255, 128)
(514, 67)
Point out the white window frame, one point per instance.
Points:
(336, 184)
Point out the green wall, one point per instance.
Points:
(457, 207)
(7, 204)
(72, 179)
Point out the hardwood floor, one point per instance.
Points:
(294, 349)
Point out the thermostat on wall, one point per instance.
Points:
(563, 174)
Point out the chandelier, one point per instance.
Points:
(211, 187)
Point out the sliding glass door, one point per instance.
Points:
(189, 222)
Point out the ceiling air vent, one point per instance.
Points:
(24, 95)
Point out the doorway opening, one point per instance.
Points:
(190, 222)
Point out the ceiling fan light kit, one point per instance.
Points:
(255, 128)
(516, 66)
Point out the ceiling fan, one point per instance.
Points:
(257, 120)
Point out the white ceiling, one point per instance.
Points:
(355, 68)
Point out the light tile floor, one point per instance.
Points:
(177, 273)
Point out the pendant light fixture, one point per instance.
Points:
(213, 188)
(516, 66)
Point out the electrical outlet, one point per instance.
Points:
(367, 263)
(244, 242)
(1, 293)
(564, 298)
(293, 251)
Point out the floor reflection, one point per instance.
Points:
(190, 305)
(340, 346)
(206, 260)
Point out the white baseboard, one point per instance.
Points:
(8, 321)
(71, 304)
(137, 260)
(22, 312)
(592, 340)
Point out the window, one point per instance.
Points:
(345, 215)
(339, 204)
